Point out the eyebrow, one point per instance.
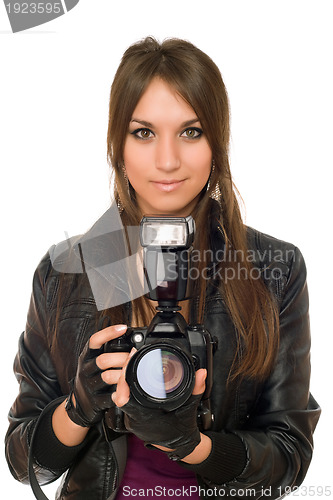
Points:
(150, 125)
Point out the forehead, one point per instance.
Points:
(161, 100)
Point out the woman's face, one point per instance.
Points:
(167, 156)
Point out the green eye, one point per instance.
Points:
(142, 133)
(192, 133)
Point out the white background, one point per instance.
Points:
(276, 60)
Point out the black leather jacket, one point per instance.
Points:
(274, 420)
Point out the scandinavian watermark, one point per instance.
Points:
(116, 274)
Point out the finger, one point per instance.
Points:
(111, 360)
(111, 332)
(122, 394)
(111, 377)
(200, 381)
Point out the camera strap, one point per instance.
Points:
(37, 490)
(118, 448)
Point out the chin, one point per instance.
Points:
(175, 212)
(168, 206)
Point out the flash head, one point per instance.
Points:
(166, 232)
(165, 241)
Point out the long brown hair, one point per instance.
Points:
(198, 80)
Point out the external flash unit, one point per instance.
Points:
(167, 232)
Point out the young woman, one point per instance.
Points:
(168, 141)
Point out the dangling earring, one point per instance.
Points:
(119, 202)
(216, 194)
(125, 178)
(210, 175)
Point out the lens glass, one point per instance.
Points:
(160, 372)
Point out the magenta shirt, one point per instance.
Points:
(151, 474)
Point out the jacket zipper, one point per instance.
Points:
(110, 487)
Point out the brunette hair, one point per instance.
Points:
(198, 80)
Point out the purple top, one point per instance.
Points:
(151, 474)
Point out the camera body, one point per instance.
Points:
(161, 373)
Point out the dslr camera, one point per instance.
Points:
(161, 374)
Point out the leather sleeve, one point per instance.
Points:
(38, 382)
(278, 434)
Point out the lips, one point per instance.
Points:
(167, 185)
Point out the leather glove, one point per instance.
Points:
(175, 429)
(92, 395)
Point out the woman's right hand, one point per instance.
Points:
(96, 371)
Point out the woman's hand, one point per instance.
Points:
(175, 432)
(96, 371)
(64, 421)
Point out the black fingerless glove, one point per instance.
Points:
(92, 395)
(175, 429)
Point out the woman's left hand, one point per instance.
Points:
(175, 432)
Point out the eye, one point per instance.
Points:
(143, 133)
(192, 133)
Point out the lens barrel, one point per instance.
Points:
(161, 374)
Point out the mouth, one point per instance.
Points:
(168, 185)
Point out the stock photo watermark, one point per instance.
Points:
(24, 15)
(114, 271)
(188, 492)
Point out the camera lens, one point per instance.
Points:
(160, 373)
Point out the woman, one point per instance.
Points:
(168, 141)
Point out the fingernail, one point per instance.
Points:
(120, 328)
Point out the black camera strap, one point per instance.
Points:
(118, 448)
(38, 492)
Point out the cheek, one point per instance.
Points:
(136, 159)
(200, 162)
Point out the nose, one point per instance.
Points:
(167, 156)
